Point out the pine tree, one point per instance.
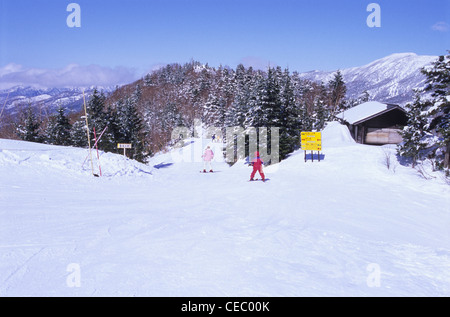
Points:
(58, 129)
(215, 109)
(438, 82)
(237, 113)
(228, 86)
(78, 134)
(270, 100)
(265, 104)
(97, 117)
(110, 130)
(301, 89)
(130, 129)
(321, 111)
(290, 117)
(414, 132)
(219, 100)
(264, 110)
(306, 119)
(337, 90)
(28, 127)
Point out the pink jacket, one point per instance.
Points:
(209, 155)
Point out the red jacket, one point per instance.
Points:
(257, 162)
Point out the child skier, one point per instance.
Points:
(257, 167)
(207, 157)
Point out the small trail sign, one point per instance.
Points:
(311, 141)
(124, 146)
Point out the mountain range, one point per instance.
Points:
(46, 99)
(390, 80)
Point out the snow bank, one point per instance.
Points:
(336, 134)
(75, 161)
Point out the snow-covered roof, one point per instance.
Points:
(364, 111)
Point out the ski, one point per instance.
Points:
(260, 180)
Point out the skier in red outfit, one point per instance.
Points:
(257, 167)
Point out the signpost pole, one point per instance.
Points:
(124, 146)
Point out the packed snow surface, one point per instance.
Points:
(344, 226)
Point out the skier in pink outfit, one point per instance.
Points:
(207, 157)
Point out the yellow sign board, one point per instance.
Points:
(311, 141)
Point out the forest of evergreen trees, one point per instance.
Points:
(146, 112)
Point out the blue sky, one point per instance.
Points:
(128, 38)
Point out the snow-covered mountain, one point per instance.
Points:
(47, 99)
(390, 79)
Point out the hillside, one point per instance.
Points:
(146, 111)
(346, 226)
(47, 100)
(389, 80)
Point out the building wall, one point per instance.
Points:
(383, 136)
(382, 129)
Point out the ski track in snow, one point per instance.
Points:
(164, 229)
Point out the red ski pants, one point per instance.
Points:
(259, 170)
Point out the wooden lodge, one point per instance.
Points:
(375, 123)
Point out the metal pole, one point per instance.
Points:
(88, 136)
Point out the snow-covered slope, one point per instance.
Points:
(390, 79)
(345, 226)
